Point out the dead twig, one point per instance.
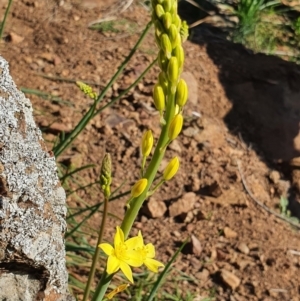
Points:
(261, 204)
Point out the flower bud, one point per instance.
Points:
(167, 20)
(147, 143)
(159, 29)
(171, 169)
(162, 60)
(177, 21)
(173, 71)
(165, 45)
(168, 5)
(174, 35)
(159, 11)
(174, 8)
(181, 93)
(159, 97)
(175, 127)
(105, 175)
(178, 52)
(184, 31)
(139, 187)
(163, 81)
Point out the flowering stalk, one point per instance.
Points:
(105, 182)
(170, 32)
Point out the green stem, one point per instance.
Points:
(102, 286)
(152, 169)
(5, 17)
(91, 112)
(97, 252)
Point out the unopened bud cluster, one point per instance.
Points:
(170, 33)
(170, 93)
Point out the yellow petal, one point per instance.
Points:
(106, 248)
(119, 237)
(125, 268)
(134, 258)
(117, 290)
(113, 264)
(141, 241)
(133, 242)
(153, 264)
(150, 250)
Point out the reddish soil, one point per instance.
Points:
(241, 125)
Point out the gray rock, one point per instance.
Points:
(32, 205)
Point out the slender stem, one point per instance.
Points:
(90, 114)
(97, 252)
(102, 286)
(152, 169)
(5, 17)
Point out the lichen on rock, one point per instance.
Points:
(32, 204)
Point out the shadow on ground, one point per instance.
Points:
(265, 94)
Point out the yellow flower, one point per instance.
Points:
(122, 255)
(117, 290)
(171, 169)
(148, 253)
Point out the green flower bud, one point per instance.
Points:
(181, 93)
(147, 143)
(139, 187)
(159, 11)
(168, 5)
(178, 52)
(163, 81)
(87, 90)
(177, 21)
(167, 20)
(175, 127)
(174, 35)
(174, 8)
(162, 60)
(173, 71)
(165, 45)
(159, 29)
(171, 169)
(159, 97)
(184, 31)
(105, 175)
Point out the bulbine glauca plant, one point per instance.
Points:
(170, 94)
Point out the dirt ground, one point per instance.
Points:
(240, 138)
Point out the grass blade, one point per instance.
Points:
(164, 272)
